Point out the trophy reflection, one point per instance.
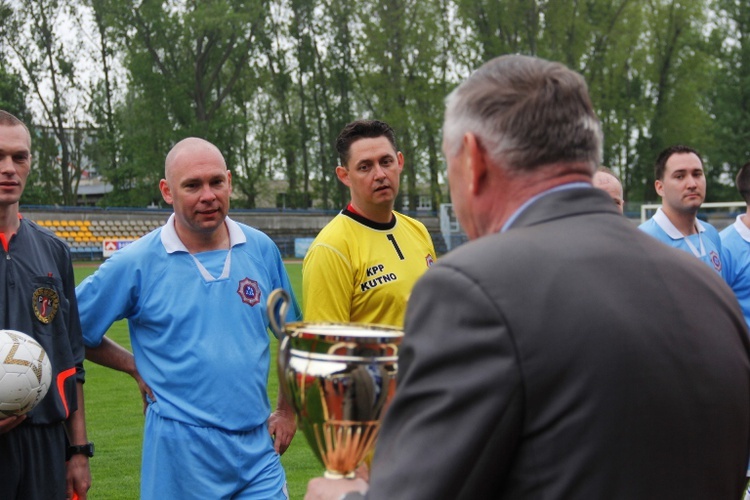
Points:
(339, 378)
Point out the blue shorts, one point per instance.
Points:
(185, 461)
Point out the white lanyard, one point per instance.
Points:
(172, 243)
(698, 253)
(663, 222)
(225, 272)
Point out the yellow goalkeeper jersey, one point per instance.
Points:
(357, 270)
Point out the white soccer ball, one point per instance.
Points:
(25, 373)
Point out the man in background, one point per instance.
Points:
(194, 292)
(523, 372)
(735, 240)
(606, 180)
(362, 266)
(44, 454)
(681, 183)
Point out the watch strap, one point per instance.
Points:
(81, 449)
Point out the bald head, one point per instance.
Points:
(198, 185)
(606, 180)
(190, 148)
(8, 120)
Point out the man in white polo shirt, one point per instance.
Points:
(735, 240)
(681, 183)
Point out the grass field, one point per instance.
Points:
(114, 416)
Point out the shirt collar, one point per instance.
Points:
(741, 228)
(663, 222)
(172, 242)
(534, 198)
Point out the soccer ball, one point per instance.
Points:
(25, 373)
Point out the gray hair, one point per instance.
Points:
(526, 112)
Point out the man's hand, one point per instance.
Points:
(321, 488)
(112, 355)
(146, 392)
(6, 424)
(282, 426)
(78, 477)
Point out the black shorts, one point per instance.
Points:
(32, 462)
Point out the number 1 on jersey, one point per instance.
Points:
(395, 245)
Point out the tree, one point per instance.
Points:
(729, 100)
(333, 91)
(676, 113)
(12, 89)
(186, 64)
(48, 64)
(102, 97)
(499, 28)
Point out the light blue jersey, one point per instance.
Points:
(736, 243)
(706, 245)
(198, 324)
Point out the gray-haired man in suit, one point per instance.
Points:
(579, 358)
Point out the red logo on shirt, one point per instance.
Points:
(249, 291)
(715, 260)
(46, 302)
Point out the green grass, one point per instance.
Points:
(114, 415)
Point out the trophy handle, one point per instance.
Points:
(277, 307)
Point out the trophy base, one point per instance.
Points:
(330, 474)
(341, 444)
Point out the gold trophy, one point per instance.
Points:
(340, 379)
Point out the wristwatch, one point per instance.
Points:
(81, 449)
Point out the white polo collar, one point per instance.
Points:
(741, 228)
(172, 243)
(663, 222)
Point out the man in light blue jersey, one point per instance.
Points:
(194, 292)
(681, 183)
(735, 240)
(736, 243)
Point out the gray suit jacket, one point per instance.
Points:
(572, 357)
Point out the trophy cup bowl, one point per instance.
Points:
(339, 379)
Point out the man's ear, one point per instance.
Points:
(659, 186)
(343, 174)
(477, 162)
(165, 192)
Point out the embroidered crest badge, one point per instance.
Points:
(249, 291)
(716, 261)
(46, 302)
(429, 260)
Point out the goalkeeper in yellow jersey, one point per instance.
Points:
(363, 264)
